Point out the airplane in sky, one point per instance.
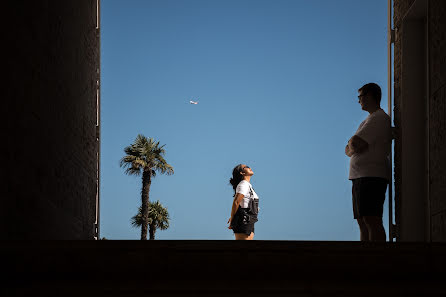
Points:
(193, 102)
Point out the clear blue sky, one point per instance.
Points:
(277, 87)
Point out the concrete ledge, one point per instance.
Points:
(214, 268)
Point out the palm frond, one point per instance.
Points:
(145, 154)
(132, 171)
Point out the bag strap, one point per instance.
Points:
(251, 191)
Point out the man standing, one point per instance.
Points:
(369, 151)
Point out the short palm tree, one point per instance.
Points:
(145, 157)
(158, 218)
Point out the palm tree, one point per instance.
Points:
(145, 156)
(158, 218)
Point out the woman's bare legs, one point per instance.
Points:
(243, 236)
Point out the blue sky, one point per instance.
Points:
(277, 87)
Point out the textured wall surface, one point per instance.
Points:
(51, 156)
(437, 117)
(400, 7)
(437, 112)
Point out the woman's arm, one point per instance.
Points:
(235, 204)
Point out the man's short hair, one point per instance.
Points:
(372, 89)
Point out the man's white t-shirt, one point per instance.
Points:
(373, 162)
(245, 188)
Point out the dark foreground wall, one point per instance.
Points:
(50, 159)
(222, 268)
(437, 118)
(420, 119)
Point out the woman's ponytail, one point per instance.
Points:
(237, 177)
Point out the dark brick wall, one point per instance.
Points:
(51, 148)
(437, 112)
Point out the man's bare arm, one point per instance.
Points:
(357, 145)
(348, 151)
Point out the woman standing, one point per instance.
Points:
(245, 206)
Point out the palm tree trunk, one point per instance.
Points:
(146, 181)
(152, 230)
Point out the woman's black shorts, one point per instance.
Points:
(243, 221)
(368, 195)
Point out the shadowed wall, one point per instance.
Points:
(420, 67)
(51, 146)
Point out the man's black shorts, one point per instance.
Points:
(368, 194)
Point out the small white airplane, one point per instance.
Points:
(193, 102)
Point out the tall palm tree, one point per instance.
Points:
(145, 157)
(158, 218)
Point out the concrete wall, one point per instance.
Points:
(399, 9)
(51, 146)
(429, 16)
